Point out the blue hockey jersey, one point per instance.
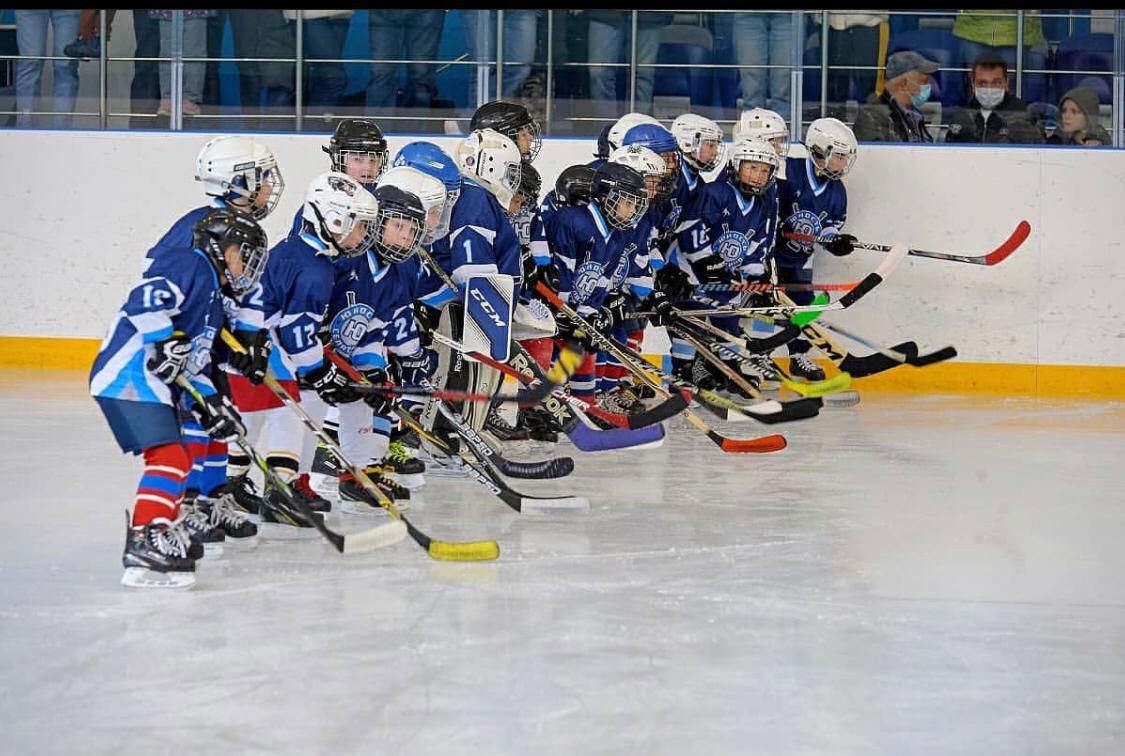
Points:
(180, 234)
(481, 239)
(589, 254)
(180, 292)
(371, 311)
(722, 222)
(816, 208)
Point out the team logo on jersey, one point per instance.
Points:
(585, 282)
(350, 326)
(622, 268)
(806, 223)
(732, 246)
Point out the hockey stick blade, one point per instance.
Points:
(762, 445)
(941, 355)
(556, 467)
(589, 439)
(996, 256)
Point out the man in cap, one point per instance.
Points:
(894, 115)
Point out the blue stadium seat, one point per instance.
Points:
(1090, 52)
(687, 47)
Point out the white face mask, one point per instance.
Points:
(988, 97)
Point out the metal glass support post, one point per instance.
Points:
(299, 74)
(103, 74)
(1119, 78)
(796, 79)
(1019, 53)
(633, 62)
(550, 70)
(177, 71)
(500, 54)
(823, 63)
(481, 33)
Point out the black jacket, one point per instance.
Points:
(1009, 123)
(882, 120)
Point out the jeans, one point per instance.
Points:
(609, 43)
(409, 35)
(31, 38)
(324, 38)
(855, 46)
(761, 38)
(195, 46)
(145, 88)
(520, 36)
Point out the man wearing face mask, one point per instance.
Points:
(994, 115)
(894, 116)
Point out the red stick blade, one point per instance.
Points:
(1011, 245)
(762, 445)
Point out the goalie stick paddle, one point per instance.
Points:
(995, 257)
(345, 543)
(471, 551)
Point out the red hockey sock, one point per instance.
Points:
(162, 483)
(540, 350)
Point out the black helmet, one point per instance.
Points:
(531, 183)
(221, 227)
(603, 143)
(358, 135)
(509, 118)
(398, 205)
(614, 182)
(574, 185)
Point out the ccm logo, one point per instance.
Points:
(488, 308)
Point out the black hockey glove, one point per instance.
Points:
(254, 362)
(661, 306)
(569, 330)
(673, 282)
(330, 383)
(617, 305)
(380, 404)
(426, 318)
(218, 417)
(418, 367)
(601, 321)
(170, 358)
(713, 270)
(546, 274)
(841, 244)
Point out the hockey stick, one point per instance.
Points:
(768, 287)
(444, 550)
(996, 256)
(914, 359)
(532, 395)
(346, 543)
(751, 445)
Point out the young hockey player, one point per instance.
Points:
(358, 149)
(166, 328)
(513, 121)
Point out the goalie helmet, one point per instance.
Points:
(829, 138)
(696, 135)
(358, 144)
(574, 185)
(217, 231)
(492, 160)
(401, 224)
(621, 194)
(341, 213)
(431, 193)
(241, 172)
(616, 135)
(513, 121)
(645, 162)
(754, 151)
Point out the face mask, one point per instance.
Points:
(988, 97)
(922, 96)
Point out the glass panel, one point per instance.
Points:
(1076, 105)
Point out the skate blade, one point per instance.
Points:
(841, 399)
(273, 531)
(139, 577)
(246, 543)
(446, 472)
(327, 486)
(347, 506)
(411, 482)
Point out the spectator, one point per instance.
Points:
(994, 31)
(894, 115)
(263, 34)
(88, 44)
(1078, 120)
(520, 36)
(403, 34)
(144, 91)
(31, 40)
(195, 46)
(608, 41)
(994, 115)
(854, 39)
(761, 38)
(325, 32)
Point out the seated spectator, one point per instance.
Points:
(894, 116)
(31, 40)
(1078, 120)
(994, 115)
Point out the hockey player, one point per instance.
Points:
(358, 149)
(615, 135)
(725, 237)
(165, 329)
(291, 302)
(814, 202)
(760, 123)
(513, 121)
(701, 145)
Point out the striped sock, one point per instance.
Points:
(162, 484)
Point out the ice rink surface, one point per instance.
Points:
(914, 575)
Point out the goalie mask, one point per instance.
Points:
(492, 160)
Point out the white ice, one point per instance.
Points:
(938, 575)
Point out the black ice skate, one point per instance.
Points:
(195, 519)
(156, 556)
(355, 499)
(244, 491)
(229, 517)
(495, 424)
(280, 519)
(539, 424)
(802, 366)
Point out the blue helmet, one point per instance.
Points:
(663, 142)
(430, 159)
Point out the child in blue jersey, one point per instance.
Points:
(725, 237)
(291, 303)
(813, 202)
(165, 329)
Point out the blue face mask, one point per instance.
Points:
(922, 96)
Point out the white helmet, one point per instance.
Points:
(624, 123)
(760, 123)
(756, 151)
(645, 162)
(691, 132)
(828, 137)
(493, 160)
(430, 191)
(334, 204)
(238, 166)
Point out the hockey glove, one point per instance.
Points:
(380, 404)
(673, 282)
(330, 383)
(713, 270)
(841, 244)
(426, 318)
(661, 306)
(170, 358)
(569, 330)
(546, 274)
(254, 362)
(218, 417)
(601, 321)
(617, 305)
(418, 367)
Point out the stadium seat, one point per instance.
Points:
(1089, 52)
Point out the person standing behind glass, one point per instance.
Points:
(324, 35)
(609, 43)
(31, 39)
(761, 38)
(854, 39)
(894, 115)
(195, 46)
(520, 36)
(403, 34)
